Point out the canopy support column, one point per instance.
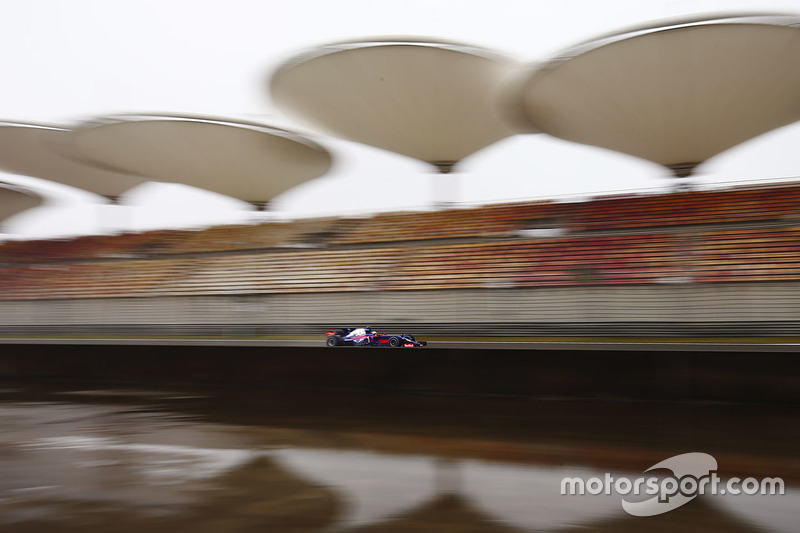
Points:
(444, 187)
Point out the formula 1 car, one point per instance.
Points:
(366, 336)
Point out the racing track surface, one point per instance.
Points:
(432, 345)
(672, 372)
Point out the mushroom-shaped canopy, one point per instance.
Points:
(36, 151)
(15, 200)
(675, 94)
(249, 161)
(432, 101)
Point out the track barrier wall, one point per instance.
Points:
(738, 309)
(756, 375)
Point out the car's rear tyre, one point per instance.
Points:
(394, 342)
(332, 341)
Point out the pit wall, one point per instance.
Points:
(751, 376)
(743, 308)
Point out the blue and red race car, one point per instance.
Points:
(366, 336)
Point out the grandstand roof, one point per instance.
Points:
(40, 151)
(15, 200)
(676, 94)
(429, 100)
(249, 161)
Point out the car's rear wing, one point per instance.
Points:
(341, 332)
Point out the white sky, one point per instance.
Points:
(63, 61)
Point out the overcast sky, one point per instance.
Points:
(63, 61)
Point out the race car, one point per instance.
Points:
(366, 336)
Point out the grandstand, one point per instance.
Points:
(711, 262)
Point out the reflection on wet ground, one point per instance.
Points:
(217, 461)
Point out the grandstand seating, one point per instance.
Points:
(704, 236)
(449, 224)
(688, 208)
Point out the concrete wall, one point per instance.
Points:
(576, 307)
(690, 374)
